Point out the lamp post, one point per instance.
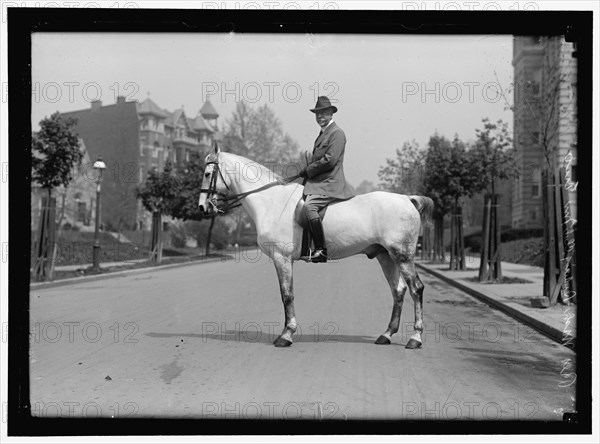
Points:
(99, 166)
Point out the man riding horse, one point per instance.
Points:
(324, 175)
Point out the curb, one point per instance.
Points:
(116, 274)
(549, 331)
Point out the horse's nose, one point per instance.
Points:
(202, 210)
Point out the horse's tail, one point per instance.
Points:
(424, 206)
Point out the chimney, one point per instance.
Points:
(120, 99)
(96, 104)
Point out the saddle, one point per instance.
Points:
(302, 220)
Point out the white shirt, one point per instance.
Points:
(326, 126)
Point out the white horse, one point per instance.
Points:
(379, 224)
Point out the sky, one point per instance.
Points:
(388, 89)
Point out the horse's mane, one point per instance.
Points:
(264, 171)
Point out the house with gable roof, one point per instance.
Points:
(133, 139)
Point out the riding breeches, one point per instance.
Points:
(314, 202)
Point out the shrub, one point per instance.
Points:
(199, 230)
(178, 234)
(520, 233)
(507, 234)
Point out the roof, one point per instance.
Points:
(173, 118)
(208, 110)
(149, 107)
(199, 124)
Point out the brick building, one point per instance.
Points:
(134, 138)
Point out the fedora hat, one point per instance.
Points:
(323, 103)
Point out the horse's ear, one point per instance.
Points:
(216, 147)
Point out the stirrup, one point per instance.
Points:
(321, 257)
(307, 258)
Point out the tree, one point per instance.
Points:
(366, 186)
(494, 160)
(185, 204)
(258, 135)
(404, 174)
(55, 153)
(449, 176)
(159, 194)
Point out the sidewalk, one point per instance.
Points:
(104, 264)
(558, 322)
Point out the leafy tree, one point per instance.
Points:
(160, 190)
(366, 186)
(404, 174)
(158, 195)
(449, 176)
(493, 155)
(55, 151)
(185, 205)
(258, 135)
(185, 201)
(494, 160)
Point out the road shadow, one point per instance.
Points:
(267, 338)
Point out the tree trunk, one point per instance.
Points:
(63, 205)
(546, 217)
(457, 245)
(485, 240)
(438, 241)
(490, 268)
(240, 226)
(209, 235)
(156, 243)
(426, 243)
(496, 256)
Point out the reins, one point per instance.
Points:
(236, 197)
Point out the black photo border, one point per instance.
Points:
(22, 22)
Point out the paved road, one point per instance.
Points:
(196, 342)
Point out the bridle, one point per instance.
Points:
(231, 201)
(213, 195)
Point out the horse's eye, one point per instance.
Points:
(207, 175)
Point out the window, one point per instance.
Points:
(534, 215)
(535, 191)
(81, 212)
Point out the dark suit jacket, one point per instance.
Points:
(326, 168)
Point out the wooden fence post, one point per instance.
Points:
(46, 244)
(570, 252)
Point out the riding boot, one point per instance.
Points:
(316, 229)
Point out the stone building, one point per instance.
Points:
(545, 120)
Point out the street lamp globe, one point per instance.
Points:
(99, 166)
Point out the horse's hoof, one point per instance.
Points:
(276, 339)
(382, 340)
(412, 344)
(282, 342)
